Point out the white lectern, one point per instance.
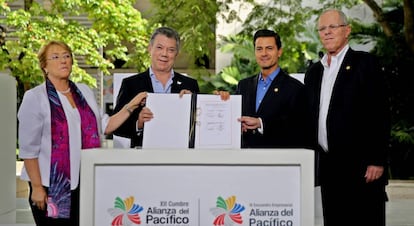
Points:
(197, 187)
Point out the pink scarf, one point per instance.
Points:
(59, 197)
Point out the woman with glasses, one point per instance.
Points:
(57, 120)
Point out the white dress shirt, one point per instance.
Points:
(330, 73)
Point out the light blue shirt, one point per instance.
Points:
(263, 86)
(157, 85)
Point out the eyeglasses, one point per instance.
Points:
(331, 27)
(57, 57)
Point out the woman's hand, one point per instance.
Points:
(144, 116)
(139, 99)
(39, 197)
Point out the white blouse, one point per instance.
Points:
(35, 132)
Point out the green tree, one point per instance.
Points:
(195, 20)
(114, 30)
(299, 43)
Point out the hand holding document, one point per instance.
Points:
(216, 122)
(171, 123)
(196, 120)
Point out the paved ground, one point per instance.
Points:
(400, 208)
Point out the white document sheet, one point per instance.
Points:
(169, 129)
(216, 122)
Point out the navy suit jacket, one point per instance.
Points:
(141, 82)
(358, 123)
(281, 110)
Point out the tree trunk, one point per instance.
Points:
(379, 16)
(409, 23)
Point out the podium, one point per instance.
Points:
(197, 187)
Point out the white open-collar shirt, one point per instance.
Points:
(35, 132)
(330, 72)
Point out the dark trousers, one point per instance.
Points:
(341, 209)
(346, 198)
(42, 220)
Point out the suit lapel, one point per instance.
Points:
(314, 83)
(148, 82)
(272, 91)
(252, 97)
(247, 87)
(177, 84)
(343, 73)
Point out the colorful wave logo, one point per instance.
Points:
(125, 212)
(227, 212)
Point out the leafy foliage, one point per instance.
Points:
(193, 21)
(110, 25)
(299, 43)
(397, 59)
(243, 63)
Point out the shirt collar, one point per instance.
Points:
(272, 75)
(340, 56)
(152, 75)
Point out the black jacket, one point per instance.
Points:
(135, 84)
(282, 112)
